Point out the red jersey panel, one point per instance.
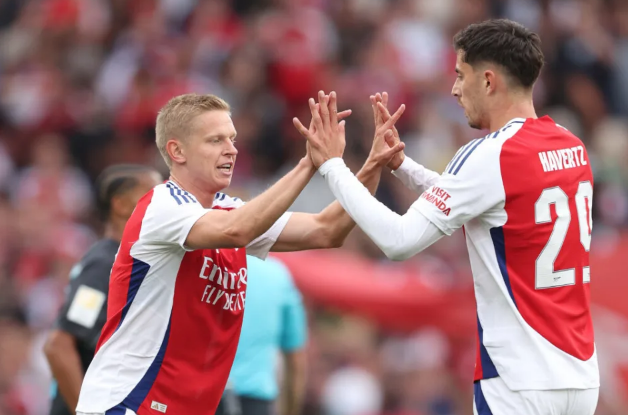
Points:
(547, 261)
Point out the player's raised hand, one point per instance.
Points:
(326, 136)
(387, 148)
(381, 115)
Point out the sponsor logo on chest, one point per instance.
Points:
(226, 287)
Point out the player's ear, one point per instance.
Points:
(489, 81)
(120, 206)
(175, 151)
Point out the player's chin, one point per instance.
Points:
(223, 182)
(474, 124)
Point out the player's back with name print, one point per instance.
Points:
(548, 187)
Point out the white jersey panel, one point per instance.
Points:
(523, 358)
(470, 187)
(169, 218)
(123, 360)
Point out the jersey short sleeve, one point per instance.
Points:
(260, 246)
(172, 213)
(170, 217)
(469, 187)
(85, 306)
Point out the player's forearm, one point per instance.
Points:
(335, 220)
(414, 176)
(257, 216)
(65, 365)
(294, 384)
(399, 237)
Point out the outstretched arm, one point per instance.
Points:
(329, 228)
(399, 237)
(475, 188)
(238, 227)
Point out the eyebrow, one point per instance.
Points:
(221, 136)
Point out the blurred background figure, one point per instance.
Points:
(80, 84)
(71, 344)
(270, 362)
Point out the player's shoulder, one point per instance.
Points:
(539, 136)
(543, 129)
(103, 250)
(483, 151)
(566, 133)
(171, 194)
(475, 153)
(100, 257)
(224, 201)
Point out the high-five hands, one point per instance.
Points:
(387, 148)
(386, 134)
(326, 134)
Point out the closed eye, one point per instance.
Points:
(220, 139)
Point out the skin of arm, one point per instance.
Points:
(237, 228)
(65, 364)
(294, 382)
(330, 228)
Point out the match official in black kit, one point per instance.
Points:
(71, 344)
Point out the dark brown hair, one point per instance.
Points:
(113, 181)
(505, 43)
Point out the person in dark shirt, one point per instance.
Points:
(71, 344)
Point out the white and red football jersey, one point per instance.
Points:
(174, 315)
(524, 196)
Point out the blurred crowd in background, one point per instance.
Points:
(81, 82)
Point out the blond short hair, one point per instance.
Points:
(175, 118)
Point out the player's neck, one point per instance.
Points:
(205, 198)
(510, 109)
(114, 229)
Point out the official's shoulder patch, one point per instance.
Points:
(86, 306)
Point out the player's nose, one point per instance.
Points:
(231, 149)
